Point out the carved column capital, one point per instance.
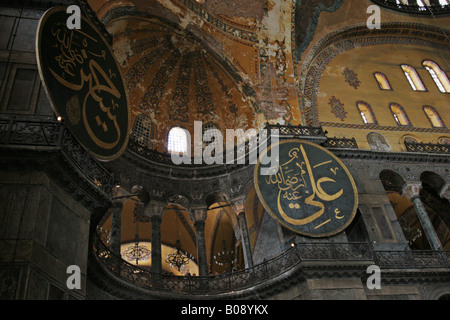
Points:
(154, 209)
(119, 196)
(238, 205)
(197, 214)
(445, 192)
(412, 190)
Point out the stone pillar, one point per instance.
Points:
(155, 210)
(198, 216)
(412, 191)
(239, 209)
(118, 199)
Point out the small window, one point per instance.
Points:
(439, 76)
(399, 114)
(382, 81)
(413, 78)
(366, 112)
(177, 141)
(434, 117)
(142, 130)
(208, 131)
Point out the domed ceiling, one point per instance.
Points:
(174, 81)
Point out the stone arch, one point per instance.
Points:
(215, 197)
(432, 179)
(179, 200)
(352, 37)
(392, 181)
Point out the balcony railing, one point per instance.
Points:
(338, 253)
(415, 6)
(41, 132)
(427, 147)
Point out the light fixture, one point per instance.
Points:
(137, 252)
(178, 259)
(224, 257)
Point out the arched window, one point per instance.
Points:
(142, 130)
(433, 116)
(399, 114)
(439, 76)
(366, 112)
(177, 141)
(413, 78)
(208, 131)
(382, 81)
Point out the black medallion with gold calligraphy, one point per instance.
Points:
(309, 190)
(84, 84)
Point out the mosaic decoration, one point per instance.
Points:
(306, 17)
(205, 106)
(337, 107)
(355, 37)
(179, 104)
(136, 74)
(351, 78)
(231, 30)
(153, 94)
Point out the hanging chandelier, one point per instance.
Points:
(224, 257)
(178, 259)
(137, 252)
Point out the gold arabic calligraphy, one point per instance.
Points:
(293, 184)
(73, 53)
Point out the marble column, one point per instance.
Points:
(155, 211)
(412, 191)
(118, 199)
(198, 216)
(239, 209)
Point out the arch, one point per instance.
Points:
(223, 251)
(177, 140)
(382, 81)
(399, 114)
(352, 37)
(392, 181)
(366, 112)
(413, 78)
(438, 75)
(432, 179)
(410, 139)
(433, 116)
(215, 197)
